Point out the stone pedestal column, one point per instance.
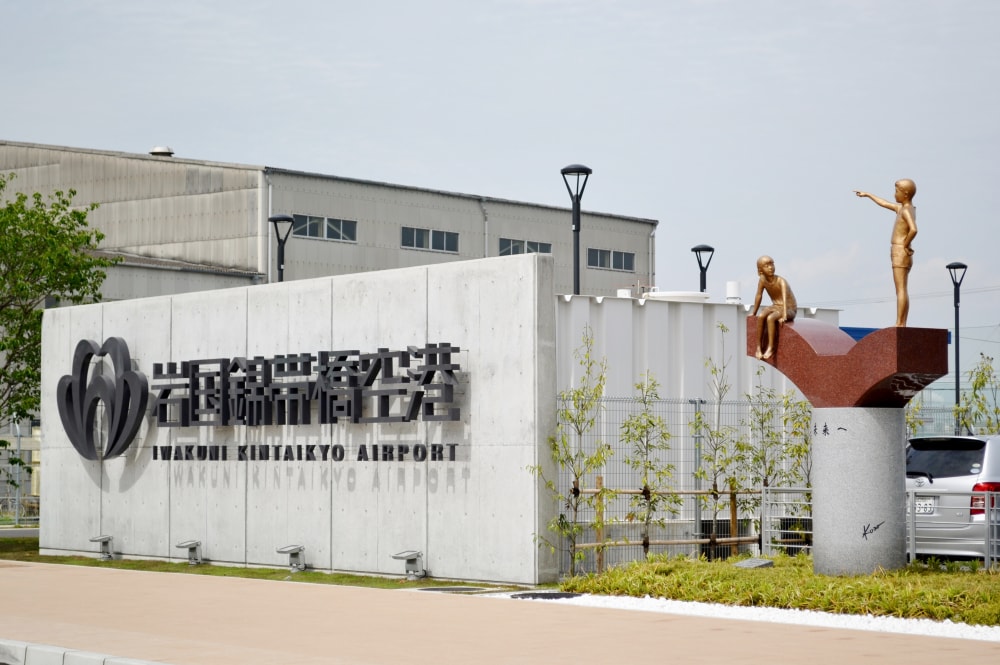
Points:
(858, 391)
(859, 490)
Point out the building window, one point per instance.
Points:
(438, 241)
(509, 247)
(623, 261)
(598, 258)
(327, 228)
(414, 238)
(611, 260)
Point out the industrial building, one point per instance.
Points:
(181, 224)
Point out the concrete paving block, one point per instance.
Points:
(12, 652)
(755, 563)
(42, 654)
(84, 658)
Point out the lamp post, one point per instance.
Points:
(697, 464)
(580, 172)
(279, 221)
(17, 479)
(704, 254)
(957, 271)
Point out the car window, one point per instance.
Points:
(945, 458)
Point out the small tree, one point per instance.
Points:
(45, 252)
(912, 414)
(648, 435)
(978, 410)
(777, 453)
(796, 418)
(721, 459)
(578, 413)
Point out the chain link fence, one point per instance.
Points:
(18, 503)
(786, 521)
(15, 511)
(18, 507)
(755, 520)
(698, 523)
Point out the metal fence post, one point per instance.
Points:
(911, 526)
(697, 467)
(599, 519)
(765, 521)
(992, 529)
(17, 480)
(734, 529)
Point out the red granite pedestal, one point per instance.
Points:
(885, 369)
(858, 391)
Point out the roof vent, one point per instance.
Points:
(162, 151)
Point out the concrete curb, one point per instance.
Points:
(13, 652)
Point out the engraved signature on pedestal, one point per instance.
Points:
(868, 529)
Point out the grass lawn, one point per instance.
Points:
(26, 549)
(962, 593)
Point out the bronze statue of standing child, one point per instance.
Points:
(904, 230)
(781, 310)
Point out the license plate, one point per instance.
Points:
(924, 505)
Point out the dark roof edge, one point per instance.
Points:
(138, 261)
(134, 155)
(321, 176)
(443, 192)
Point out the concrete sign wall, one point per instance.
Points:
(247, 470)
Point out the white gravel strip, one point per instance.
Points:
(799, 617)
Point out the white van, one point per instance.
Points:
(955, 483)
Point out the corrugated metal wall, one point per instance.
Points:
(159, 207)
(382, 210)
(216, 214)
(670, 339)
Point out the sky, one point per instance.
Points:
(742, 124)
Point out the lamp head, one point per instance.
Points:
(704, 254)
(578, 171)
(957, 270)
(282, 225)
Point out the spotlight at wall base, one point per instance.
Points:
(193, 548)
(414, 570)
(296, 557)
(105, 543)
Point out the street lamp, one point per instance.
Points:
(17, 479)
(279, 221)
(701, 252)
(575, 192)
(957, 271)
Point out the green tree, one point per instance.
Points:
(978, 410)
(45, 253)
(778, 451)
(777, 454)
(572, 453)
(796, 418)
(648, 435)
(721, 460)
(913, 415)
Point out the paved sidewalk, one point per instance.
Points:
(190, 619)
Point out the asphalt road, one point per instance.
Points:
(11, 532)
(207, 620)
